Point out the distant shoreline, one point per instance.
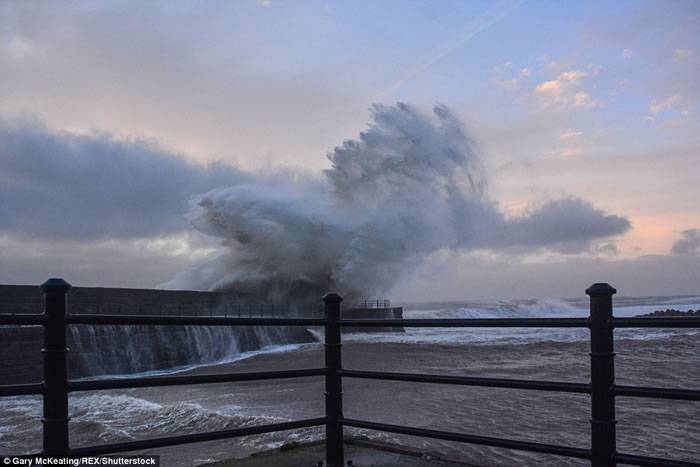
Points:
(670, 312)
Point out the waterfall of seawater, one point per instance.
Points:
(112, 349)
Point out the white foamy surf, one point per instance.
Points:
(543, 308)
(269, 349)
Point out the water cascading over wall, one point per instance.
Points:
(113, 349)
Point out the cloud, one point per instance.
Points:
(570, 134)
(563, 81)
(105, 263)
(18, 48)
(61, 185)
(570, 151)
(475, 275)
(506, 83)
(584, 100)
(681, 55)
(506, 79)
(566, 90)
(609, 249)
(567, 225)
(670, 103)
(207, 75)
(627, 54)
(571, 143)
(689, 244)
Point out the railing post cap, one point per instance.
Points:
(600, 289)
(55, 284)
(332, 297)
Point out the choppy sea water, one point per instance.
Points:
(662, 358)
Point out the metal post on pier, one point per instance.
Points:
(602, 376)
(334, 385)
(55, 416)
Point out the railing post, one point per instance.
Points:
(334, 385)
(602, 376)
(55, 418)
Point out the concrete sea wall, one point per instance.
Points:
(112, 349)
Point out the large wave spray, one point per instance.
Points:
(410, 185)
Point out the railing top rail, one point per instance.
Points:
(471, 323)
(472, 439)
(657, 393)
(373, 303)
(85, 318)
(141, 382)
(194, 438)
(21, 318)
(558, 386)
(630, 459)
(190, 320)
(7, 390)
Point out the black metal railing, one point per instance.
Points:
(374, 303)
(602, 388)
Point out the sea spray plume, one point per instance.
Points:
(408, 181)
(410, 185)
(397, 193)
(282, 241)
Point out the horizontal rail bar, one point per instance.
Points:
(19, 318)
(190, 320)
(21, 389)
(471, 381)
(657, 393)
(119, 383)
(194, 438)
(471, 323)
(652, 461)
(660, 322)
(472, 439)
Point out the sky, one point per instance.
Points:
(114, 114)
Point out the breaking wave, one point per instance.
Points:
(410, 185)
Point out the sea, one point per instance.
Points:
(668, 358)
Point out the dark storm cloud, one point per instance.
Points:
(689, 244)
(567, 225)
(62, 185)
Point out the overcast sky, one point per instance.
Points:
(113, 114)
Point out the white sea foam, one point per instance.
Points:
(545, 308)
